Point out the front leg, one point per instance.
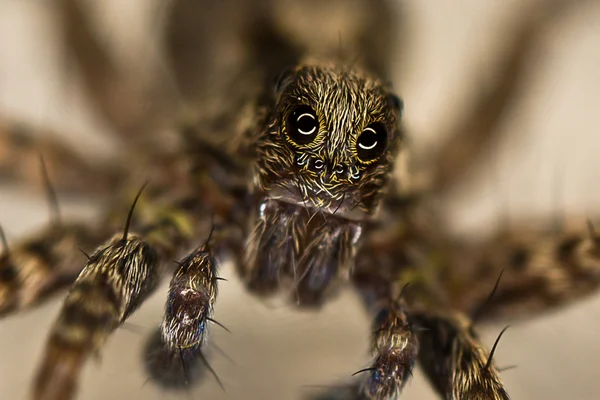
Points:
(454, 360)
(188, 314)
(115, 281)
(117, 278)
(395, 347)
(542, 270)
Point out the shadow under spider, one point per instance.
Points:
(172, 370)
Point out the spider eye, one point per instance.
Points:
(371, 142)
(302, 125)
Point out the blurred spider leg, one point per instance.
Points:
(542, 270)
(454, 360)
(20, 149)
(134, 102)
(116, 280)
(469, 138)
(43, 264)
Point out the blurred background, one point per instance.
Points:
(546, 164)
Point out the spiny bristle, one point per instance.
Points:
(479, 312)
(4, 242)
(491, 356)
(130, 214)
(50, 192)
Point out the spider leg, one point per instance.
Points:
(114, 282)
(541, 270)
(454, 360)
(395, 348)
(134, 101)
(174, 209)
(187, 318)
(468, 139)
(117, 278)
(21, 147)
(38, 267)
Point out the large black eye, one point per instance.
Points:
(371, 142)
(302, 125)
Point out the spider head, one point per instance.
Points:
(329, 140)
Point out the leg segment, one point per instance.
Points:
(188, 314)
(468, 139)
(20, 151)
(134, 102)
(192, 294)
(40, 266)
(175, 209)
(394, 342)
(117, 278)
(269, 248)
(541, 271)
(395, 347)
(455, 362)
(541, 268)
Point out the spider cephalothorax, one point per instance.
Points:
(323, 159)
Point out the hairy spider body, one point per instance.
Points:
(299, 177)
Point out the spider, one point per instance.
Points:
(319, 212)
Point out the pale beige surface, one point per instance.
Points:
(553, 147)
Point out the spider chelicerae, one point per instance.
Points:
(193, 182)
